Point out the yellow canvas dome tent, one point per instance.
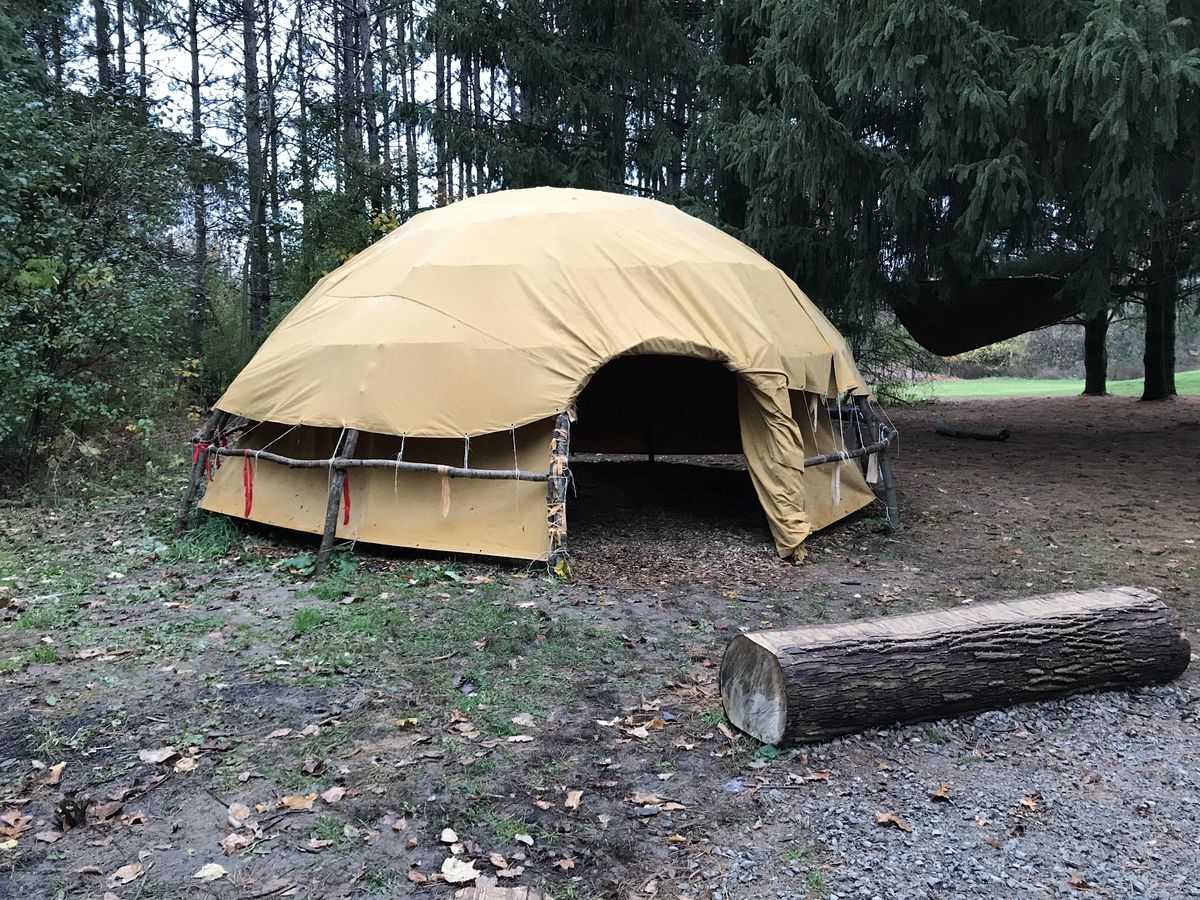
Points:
(457, 348)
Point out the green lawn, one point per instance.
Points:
(1187, 383)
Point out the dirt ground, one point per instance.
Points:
(213, 722)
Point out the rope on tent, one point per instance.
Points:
(466, 451)
(346, 497)
(512, 430)
(396, 472)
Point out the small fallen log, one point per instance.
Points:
(977, 434)
(811, 684)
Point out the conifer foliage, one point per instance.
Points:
(864, 146)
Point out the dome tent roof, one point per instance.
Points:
(495, 311)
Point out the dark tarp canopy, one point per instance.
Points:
(948, 318)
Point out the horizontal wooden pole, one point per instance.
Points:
(856, 453)
(338, 462)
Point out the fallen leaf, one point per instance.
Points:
(238, 813)
(497, 860)
(574, 798)
(280, 732)
(416, 876)
(449, 836)
(210, 872)
(407, 722)
(604, 819)
(187, 764)
(566, 863)
(231, 843)
(510, 872)
(725, 730)
(1031, 802)
(133, 818)
(410, 843)
(161, 755)
(524, 720)
(994, 842)
(543, 804)
(10, 844)
(55, 773)
(312, 767)
(520, 738)
(523, 839)
(334, 794)
(47, 837)
(126, 874)
(892, 819)
(455, 871)
(310, 730)
(942, 794)
(99, 813)
(318, 843)
(297, 802)
(1077, 881)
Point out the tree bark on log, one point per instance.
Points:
(978, 434)
(812, 684)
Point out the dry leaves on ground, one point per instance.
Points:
(894, 819)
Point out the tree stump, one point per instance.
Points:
(811, 684)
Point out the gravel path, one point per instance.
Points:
(1096, 795)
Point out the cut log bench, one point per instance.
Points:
(812, 684)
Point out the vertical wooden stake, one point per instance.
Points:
(333, 506)
(556, 489)
(203, 436)
(874, 431)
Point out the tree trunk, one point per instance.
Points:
(812, 684)
(258, 250)
(1159, 296)
(305, 146)
(1095, 354)
(384, 104)
(199, 308)
(143, 78)
(275, 233)
(103, 47)
(121, 47)
(369, 93)
(407, 98)
(439, 128)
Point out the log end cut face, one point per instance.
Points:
(754, 690)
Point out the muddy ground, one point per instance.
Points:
(215, 723)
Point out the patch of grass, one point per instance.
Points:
(43, 653)
(49, 615)
(798, 854)
(329, 828)
(48, 741)
(815, 882)
(209, 537)
(309, 619)
(482, 813)
(1186, 383)
(935, 735)
(378, 882)
(714, 717)
(474, 635)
